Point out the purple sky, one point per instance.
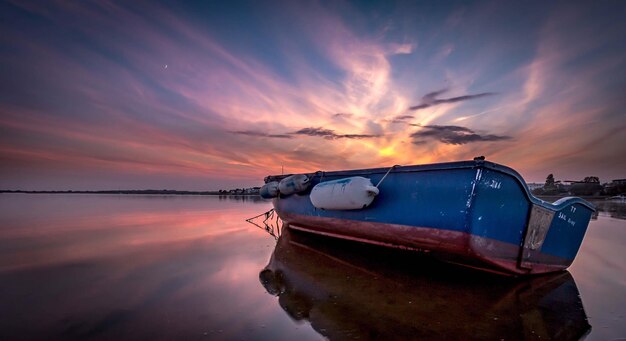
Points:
(105, 95)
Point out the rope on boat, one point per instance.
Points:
(272, 223)
(267, 215)
(321, 174)
(384, 176)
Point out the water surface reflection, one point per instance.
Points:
(186, 267)
(117, 267)
(351, 291)
(612, 208)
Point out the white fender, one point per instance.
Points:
(269, 190)
(344, 194)
(293, 184)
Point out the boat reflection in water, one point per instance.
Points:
(347, 290)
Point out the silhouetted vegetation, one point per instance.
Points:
(615, 187)
(550, 187)
(589, 186)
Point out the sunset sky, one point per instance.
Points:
(219, 94)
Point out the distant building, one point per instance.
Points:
(252, 190)
(615, 187)
(534, 185)
(241, 191)
(589, 186)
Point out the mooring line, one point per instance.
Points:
(384, 176)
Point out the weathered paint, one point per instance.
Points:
(476, 209)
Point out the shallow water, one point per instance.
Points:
(186, 267)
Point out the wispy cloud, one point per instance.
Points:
(399, 119)
(403, 117)
(77, 101)
(330, 134)
(452, 135)
(430, 99)
(260, 134)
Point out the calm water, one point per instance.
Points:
(152, 267)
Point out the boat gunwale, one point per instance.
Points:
(475, 164)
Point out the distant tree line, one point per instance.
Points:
(589, 186)
(240, 191)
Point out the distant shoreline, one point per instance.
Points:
(143, 191)
(175, 192)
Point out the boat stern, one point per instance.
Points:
(549, 244)
(514, 231)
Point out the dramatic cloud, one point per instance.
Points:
(80, 109)
(430, 99)
(452, 135)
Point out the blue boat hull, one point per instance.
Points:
(476, 213)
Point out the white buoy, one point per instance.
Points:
(344, 194)
(293, 184)
(269, 190)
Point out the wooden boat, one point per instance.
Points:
(356, 291)
(477, 213)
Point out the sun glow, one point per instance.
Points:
(387, 151)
